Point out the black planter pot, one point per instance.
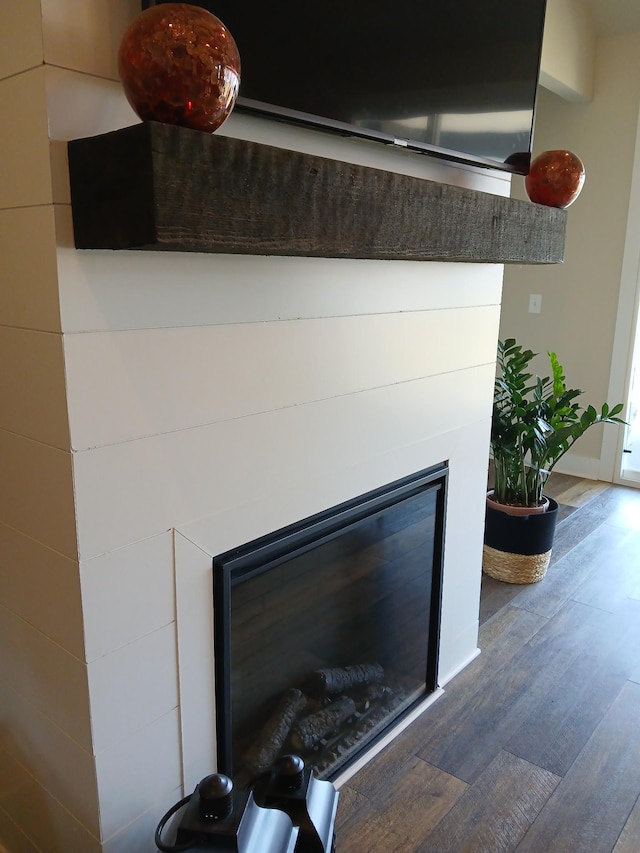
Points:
(517, 548)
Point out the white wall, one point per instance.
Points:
(567, 64)
(580, 297)
(168, 407)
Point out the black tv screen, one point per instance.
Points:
(451, 78)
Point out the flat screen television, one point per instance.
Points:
(455, 79)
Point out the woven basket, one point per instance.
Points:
(514, 568)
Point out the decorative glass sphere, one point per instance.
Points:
(555, 178)
(180, 65)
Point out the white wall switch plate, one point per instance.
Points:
(535, 303)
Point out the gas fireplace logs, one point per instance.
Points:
(307, 733)
(338, 680)
(261, 757)
(340, 705)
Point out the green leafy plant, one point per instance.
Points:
(535, 421)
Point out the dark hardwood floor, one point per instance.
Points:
(535, 746)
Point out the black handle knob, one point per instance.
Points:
(289, 771)
(216, 797)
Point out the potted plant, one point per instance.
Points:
(535, 422)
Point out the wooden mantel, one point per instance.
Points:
(156, 186)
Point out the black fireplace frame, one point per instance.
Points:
(264, 553)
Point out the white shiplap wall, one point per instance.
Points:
(167, 407)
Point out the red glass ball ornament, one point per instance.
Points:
(555, 178)
(179, 65)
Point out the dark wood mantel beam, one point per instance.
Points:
(155, 186)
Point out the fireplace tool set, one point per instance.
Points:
(287, 811)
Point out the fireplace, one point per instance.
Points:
(327, 631)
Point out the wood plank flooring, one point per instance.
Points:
(535, 746)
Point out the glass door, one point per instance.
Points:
(630, 463)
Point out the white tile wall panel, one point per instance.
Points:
(43, 588)
(21, 22)
(28, 278)
(137, 836)
(85, 34)
(136, 772)
(46, 676)
(460, 649)
(12, 839)
(37, 494)
(40, 816)
(463, 546)
(133, 686)
(194, 599)
(127, 594)
(24, 143)
(32, 385)
(79, 105)
(137, 489)
(289, 502)
(47, 753)
(105, 291)
(166, 380)
(60, 184)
